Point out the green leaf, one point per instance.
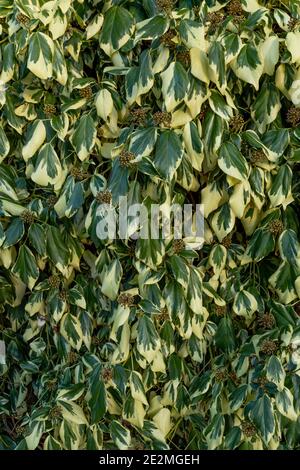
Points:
(14, 233)
(232, 162)
(26, 267)
(56, 248)
(36, 235)
(238, 397)
(84, 136)
(70, 329)
(175, 85)
(280, 192)
(97, 401)
(275, 372)
(142, 142)
(262, 416)
(117, 28)
(169, 146)
(140, 79)
(148, 341)
(266, 106)
(214, 432)
(216, 62)
(285, 404)
(151, 28)
(120, 435)
(72, 412)
(260, 245)
(219, 106)
(8, 63)
(4, 145)
(289, 247)
(225, 337)
(223, 221)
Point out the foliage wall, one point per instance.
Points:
(149, 343)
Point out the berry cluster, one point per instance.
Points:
(28, 217)
(126, 158)
(104, 197)
(276, 227)
(268, 347)
(126, 300)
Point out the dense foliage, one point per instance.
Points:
(149, 343)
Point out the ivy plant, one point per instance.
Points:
(149, 343)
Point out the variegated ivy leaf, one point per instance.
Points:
(292, 41)
(104, 104)
(169, 145)
(70, 329)
(194, 291)
(289, 247)
(237, 397)
(285, 404)
(175, 85)
(216, 62)
(120, 435)
(72, 412)
(276, 141)
(94, 26)
(262, 415)
(192, 34)
(148, 340)
(214, 432)
(180, 270)
(137, 388)
(40, 55)
(98, 397)
(60, 71)
(139, 79)
(199, 64)
(212, 133)
(8, 63)
(232, 162)
(283, 282)
(26, 267)
(35, 136)
(240, 198)
(270, 53)
(266, 106)
(260, 245)
(57, 250)
(232, 45)
(47, 169)
(84, 136)
(211, 197)
(219, 106)
(193, 145)
(117, 29)
(222, 221)
(280, 192)
(217, 258)
(4, 145)
(275, 372)
(112, 276)
(248, 65)
(151, 28)
(245, 304)
(142, 142)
